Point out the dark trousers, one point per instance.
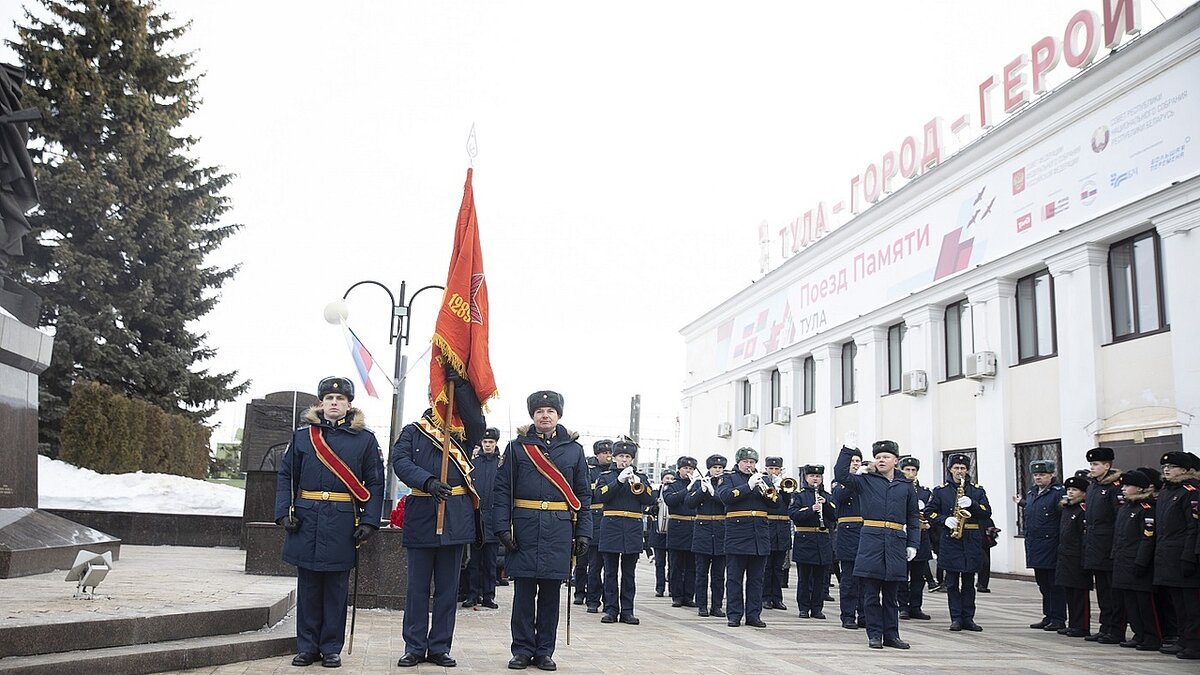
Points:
(883, 619)
(581, 573)
(683, 576)
(705, 581)
(1112, 612)
(1054, 601)
(660, 569)
(912, 593)
(321, 611)
(960, 594)
(619, 603)
(850, 594)
(595, 584)
(431, 570)
(1164, 607)
(747, 570)
(1139, 606)
(1187, 615)
(1079, 609)
(482, 572)
(773, 576)
(985, 568)
(535, 616)
(810, 591)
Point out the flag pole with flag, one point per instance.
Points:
(363, 360)
(460, 337)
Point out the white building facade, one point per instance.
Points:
(1030, 297)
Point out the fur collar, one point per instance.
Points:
(1072, 501)
(357, 420)
(1145, 496)
(1109, 478)
(1189, 474)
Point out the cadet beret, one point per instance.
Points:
(1101, 454)
(1154, 476)
(959, 458)
(746, 453)
(335, 385)
(1177, 458)
(1077, 482)
(1135, 478)
(774, 461)
(906, 462)
(602, 445)
(1042, 466)
(545, 399)
(625, 448)
(685, 461)
(715, 460)
(492, 433)
(818, 469)
(890, 447)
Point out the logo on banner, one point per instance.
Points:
(1116, 179)
(1100, 139)
(1019, 181)
(1055, 208)
(1024, 222)
(1087, 192)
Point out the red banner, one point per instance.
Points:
(461, 335)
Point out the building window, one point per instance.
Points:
(959, 337)
(895, 356)
(1136, 282)
(746, 397)
(1035, 317)
(849, 350)
(1026, 453)
(776, 398)
(810, 385)
(971, 473)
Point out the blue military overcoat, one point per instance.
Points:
(708, 533)
(484, 478)
(621, 531)
(881, 549)
(1042, 520)
(925, 550)
(849, 524)
(808, 547)
(679, 531)
(544, 537)
(966, 554)
(416, 457)
(325, 542)
(747, 529)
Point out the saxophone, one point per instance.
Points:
(960, 514)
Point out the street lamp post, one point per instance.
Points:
(398, 334)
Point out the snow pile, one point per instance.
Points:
(63, 486)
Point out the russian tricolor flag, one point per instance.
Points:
(362, 359)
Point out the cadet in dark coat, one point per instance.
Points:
(624, 493)
(747, 497)
(1042, 514)
(811, 511)
(325, 520)
(960, 558)
(541, 519)
(482, 566)
(889, 539)
(781, 540)
(657, 536)
(708, 538)
(849, 527)
(1101, 513)
(682, 584)
(1133, 560)
(1177, 547)
(435, 561)
(589, 584)
(911, 595)
(1068, 569)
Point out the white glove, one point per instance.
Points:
(756, 480)
(623, 477)
(862, 469)
(964, 502)
(910, 553)
(635, 479)
(920, 504)
(851, 440)
(951, 522)
(707, 486)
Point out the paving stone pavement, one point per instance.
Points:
(675, 640)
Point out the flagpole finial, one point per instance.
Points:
(472, 147)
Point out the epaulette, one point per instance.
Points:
(942, 485)
(1189, 487)
(1145, 505)
(606, 471)
(978, 485)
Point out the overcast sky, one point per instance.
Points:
(627, 153)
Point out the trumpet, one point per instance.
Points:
(636, 485)
(789, 485)
(768, 490)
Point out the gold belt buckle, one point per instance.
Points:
(325, 495)
(545, 505)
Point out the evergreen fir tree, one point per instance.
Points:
(127, 217)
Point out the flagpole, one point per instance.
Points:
(441, 512)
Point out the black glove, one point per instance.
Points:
(453, 376)
(439, 490)
(363, 533)
(1140, 570)
(507, 540)
(581, 545)
(290, 524)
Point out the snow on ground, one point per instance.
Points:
(63, 486)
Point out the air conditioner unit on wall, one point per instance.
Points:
(749, 422)
(724, 430)
(781, 415)
(980, 365)
(914, 382)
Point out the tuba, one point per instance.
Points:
(960, 514)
